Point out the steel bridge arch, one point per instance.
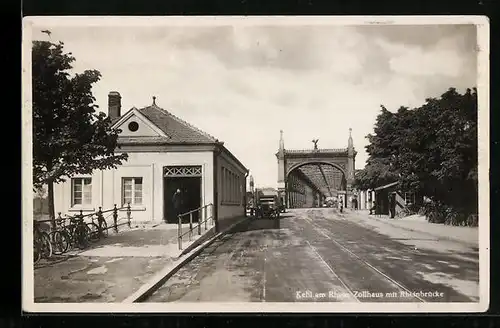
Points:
(312, 161)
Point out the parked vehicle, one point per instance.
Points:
(268, 204)
(282, 206)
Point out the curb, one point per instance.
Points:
(456, 240)
(446, 238)
(161, 277)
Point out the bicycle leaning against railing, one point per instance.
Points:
(101, 227)
(76, 233)
(73, 232)
(42, 248)
(58, 237)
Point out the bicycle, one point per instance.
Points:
(59, 238)
(77, 232)
(102, 226)
(94, 230)
(42, 248)
(82, 233)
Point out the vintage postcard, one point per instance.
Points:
(256, 164)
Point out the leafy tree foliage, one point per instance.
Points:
(69, 137)
(383, 151)
(431, 150)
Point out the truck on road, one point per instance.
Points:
(268, 203)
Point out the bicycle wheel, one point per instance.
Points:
(81, 236)
(104, 228)
(69, 237)
(94, 232)
(37, 251)
(46, 245)
(60, 242)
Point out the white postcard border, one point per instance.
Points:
(482, 23)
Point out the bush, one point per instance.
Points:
(434, 211)
(455, 218)
(408, 210)
(437, 212)
(472, 220)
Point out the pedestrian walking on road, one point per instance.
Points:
(341, 206)
(355, 203)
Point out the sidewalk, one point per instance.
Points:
(110, 269)
(147, 289)
(417, 223)
(118, 266)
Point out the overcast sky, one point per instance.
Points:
(244, 84)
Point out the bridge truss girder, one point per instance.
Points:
(324, 181)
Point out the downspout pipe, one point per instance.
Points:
(245, 200)
(217, 151)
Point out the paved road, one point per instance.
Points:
(323, 256)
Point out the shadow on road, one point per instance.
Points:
(55, 259)
(286, 215)
(258, 224)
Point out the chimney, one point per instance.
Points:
(114, 105)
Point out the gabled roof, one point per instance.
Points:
(177, 130)
(114, 120)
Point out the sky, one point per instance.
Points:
(243, 84)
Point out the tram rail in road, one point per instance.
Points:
(366, 294)
(310, 258)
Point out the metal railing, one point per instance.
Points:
(98, 214)
(66, 239)
(205, 214)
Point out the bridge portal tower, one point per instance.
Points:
(342, 159)
(282, 171)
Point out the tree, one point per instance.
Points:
(383, 150)
(450, 162)
(69, 137)
(431, 150)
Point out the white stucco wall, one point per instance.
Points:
(145, 129)
(106, 185)
(230, 210)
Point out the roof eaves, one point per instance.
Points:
(163, 111)
(387, 185)
(234, 158)
(118, 119)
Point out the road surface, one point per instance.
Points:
(321, 255)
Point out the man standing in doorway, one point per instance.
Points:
(177, 203)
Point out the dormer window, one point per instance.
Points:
(133, 126)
